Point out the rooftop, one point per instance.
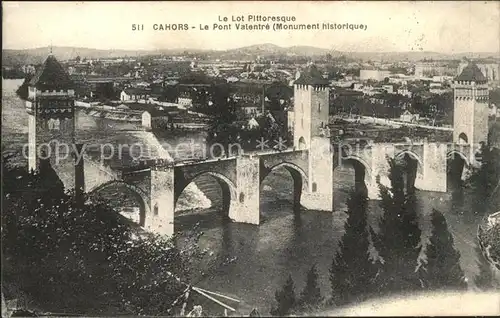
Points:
(311, 76)
(471, 73)
(51, 75)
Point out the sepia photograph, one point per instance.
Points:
(250, 158)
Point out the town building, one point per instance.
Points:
(408, 117)
(403, 90)
(435, 68)
(134, 94)
(376, 75)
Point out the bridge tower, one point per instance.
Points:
(51, 120)
(470, 118)
(311, 107)
(311, 115)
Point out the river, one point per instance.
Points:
(250, 262)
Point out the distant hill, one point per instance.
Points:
(269, 49)
(37, 55)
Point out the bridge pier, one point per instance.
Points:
(317, 192)
(160, 219)
(245, 207)
(435, 162)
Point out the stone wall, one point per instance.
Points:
(245, 208)
(317, 194)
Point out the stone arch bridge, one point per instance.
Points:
(158, 183)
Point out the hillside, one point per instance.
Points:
(37, 55)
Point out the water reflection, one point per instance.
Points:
(251, 262)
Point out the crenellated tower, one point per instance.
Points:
(311, 115)
(51, 120)
(470, 97)
(311, 106)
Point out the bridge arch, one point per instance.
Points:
(362, 170)
(410, 153)
(227, 186)
(452, 155)
(358, 160)
(299, 177)
(414, 171)
(291, 168)
(456, 163)
(140, 195)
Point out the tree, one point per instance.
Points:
(485, 278)
(85, 256)
(270, 129)
(222, 127)
(170, 93)
(285, 298)
(485, 179)
(22, 91)
(352, 272)
(442, 267)
(311, 294)
(398, 240)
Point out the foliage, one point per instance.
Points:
(398, 240)
(442, 267)
(170, 93)
(352, 272)
(485, 278)
(311, 294)
(22, 91)
(222, 128)
(81, 258)
(494, 96)
(13, 73)
(270, 129)
(489, 241)
(485, 180)
(285, 298)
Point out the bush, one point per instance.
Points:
(352, 271)
(442, 267)
(285, 298)
(82, 258)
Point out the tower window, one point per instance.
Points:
(53, 124)
(319, 107)
(155, 210)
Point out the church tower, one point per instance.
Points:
(51, 119)
(470, 97)
(311, 107)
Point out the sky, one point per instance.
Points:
(446, 27)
